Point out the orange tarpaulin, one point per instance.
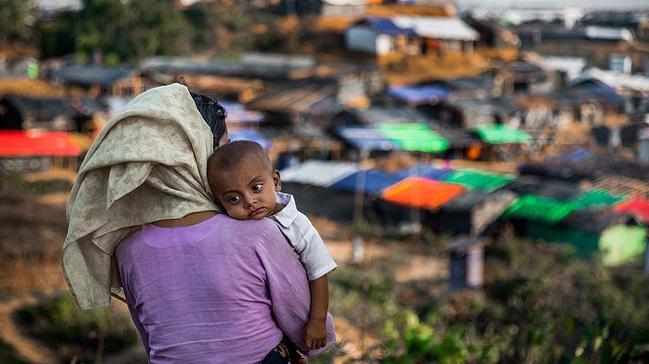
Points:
(422, 192)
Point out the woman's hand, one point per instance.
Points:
(316, 334)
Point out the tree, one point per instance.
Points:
(16, 19)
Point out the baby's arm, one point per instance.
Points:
(316, 330)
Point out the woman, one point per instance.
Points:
(201, 288)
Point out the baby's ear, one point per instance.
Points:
(277, 180)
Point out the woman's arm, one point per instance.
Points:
(289, 289)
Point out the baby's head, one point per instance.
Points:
(243, 180)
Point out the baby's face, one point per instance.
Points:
(248, 192)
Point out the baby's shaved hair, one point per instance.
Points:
(235, 155)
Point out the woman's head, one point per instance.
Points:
(214, 115)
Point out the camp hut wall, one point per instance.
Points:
(27, 113)
(310, 183)
(472, 212)
(377, 36)
(36, 151)
(366, 187)
(466, 263)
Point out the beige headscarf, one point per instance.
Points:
(149, 163)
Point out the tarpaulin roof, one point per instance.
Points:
(415, 137)
(426, 171)
(501, 134)
(251, 135)
(477, 180)
(550, 210)
(540, 209)
(596, 197)
(554, 189)
(91, 75)
(365, 138)
(371, 182)
(319, 173)
(419, 94)
(638, 207)
(386, 26)
(421, 193)
(52, 143)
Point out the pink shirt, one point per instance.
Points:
(220, 291)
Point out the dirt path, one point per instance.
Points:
(25, 348)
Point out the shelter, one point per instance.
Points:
(477, 180)
(421, 193)
(451, 30)
(501, 134)
(419, 94)
(466, 262)
(638, 207)
(595, 231)
(376, 35)
(33, 144)
(414, 137)
(18, 112)
(472, 212)
(547, 188)
(97, 80)
(310, 183)
(369, 182)
(365, 139)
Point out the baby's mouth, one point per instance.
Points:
(257, 211)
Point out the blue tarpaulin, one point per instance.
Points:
(371, 182)
(419, 94)
(425, 171)
(251, 135)
(363, 138)
(386, 26)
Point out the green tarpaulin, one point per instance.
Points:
(596, 197)
(616, 245)
(414, 137)
(541, 209)
(548, 210)
(475, 180)
(501, 134)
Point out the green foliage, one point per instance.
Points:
(543, 308)
(123, 31)
(61, 325)
(16, 19)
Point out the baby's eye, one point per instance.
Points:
(234, 199)
(257, 187)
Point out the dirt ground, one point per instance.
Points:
(33, 227)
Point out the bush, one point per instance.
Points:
(62, 326)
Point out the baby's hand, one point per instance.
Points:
(316, 334)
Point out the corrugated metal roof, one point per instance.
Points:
(386, 26)
(437, 27)
(319, 173)
(608, 33)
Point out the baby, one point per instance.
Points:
(245, 184)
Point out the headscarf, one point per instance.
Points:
(149, 163)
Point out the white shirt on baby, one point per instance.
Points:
(304, 238)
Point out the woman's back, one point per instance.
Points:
(201, 293)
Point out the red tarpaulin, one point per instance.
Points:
(637, 206)
(37, 143)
